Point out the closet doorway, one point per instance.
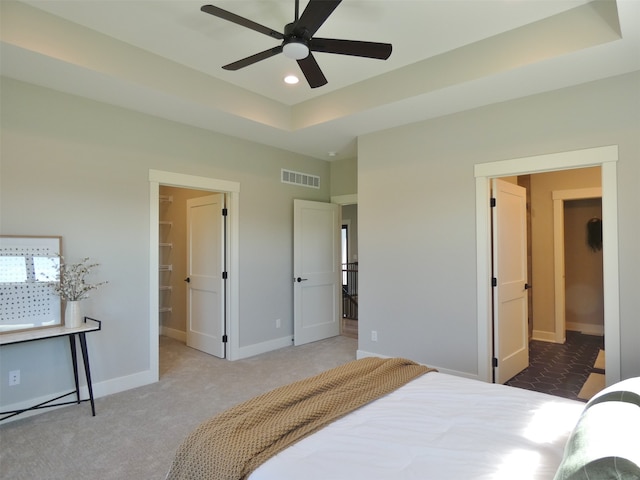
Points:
(192, 252)
(204, 186)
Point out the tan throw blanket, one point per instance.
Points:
(232, 444)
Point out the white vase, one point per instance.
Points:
(72, 314)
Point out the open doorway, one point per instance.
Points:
(349, 260)
(231, 190)
(192, 254)
(606, 158)
(563, 354)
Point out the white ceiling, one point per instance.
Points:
(164, 57)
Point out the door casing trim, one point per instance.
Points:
(605, 157)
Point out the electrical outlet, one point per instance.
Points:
(278, 323)
(374, 335)
(14, 377)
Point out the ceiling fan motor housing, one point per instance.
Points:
(294, 46)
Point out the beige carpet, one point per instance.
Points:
(599, 363)
(135, 434)
(595, 383)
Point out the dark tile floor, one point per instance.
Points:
(560, 370)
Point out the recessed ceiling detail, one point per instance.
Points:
(163, 58)
(298, 41)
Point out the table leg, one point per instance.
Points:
(74, 360)
(87, 370)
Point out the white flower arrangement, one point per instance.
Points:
(72, 286)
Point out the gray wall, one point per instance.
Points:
(80, 169)
(417, 215)
(344, 176)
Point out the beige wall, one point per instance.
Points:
(584, 300)
(542, 187)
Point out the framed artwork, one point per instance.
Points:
(28, 270)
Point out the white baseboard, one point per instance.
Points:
(264, 347)
(546, 336)
(100, 389)
(120, 384)
(139, 379)
(586, 328)
(36, 401)
(173, 333)
(364, 354)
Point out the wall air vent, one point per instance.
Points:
(297, 178)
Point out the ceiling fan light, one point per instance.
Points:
(295, 50)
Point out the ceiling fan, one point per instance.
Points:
(298, 41)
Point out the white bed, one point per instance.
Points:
(435, 427)
(441, 427)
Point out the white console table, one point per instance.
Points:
(89, 325)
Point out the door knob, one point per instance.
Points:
(301, 279)
(527, 286)
(188, 280)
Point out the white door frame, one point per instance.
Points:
(559, 197)
(605, 157)
(232, 190)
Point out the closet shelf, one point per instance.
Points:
(165, 231)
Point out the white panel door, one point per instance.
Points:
(205, 285)
(317, 286)
(511, 333)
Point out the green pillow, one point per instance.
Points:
(605, 444)
(625, 391)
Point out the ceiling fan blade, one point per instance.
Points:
(381, 51)
(314, 16)
(312, 72)
(245, 62)
(238, 20)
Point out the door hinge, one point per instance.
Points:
(224, 339)
(495, 362)
(492, 202)
(224, 212)
(224, 275)
(494, 282)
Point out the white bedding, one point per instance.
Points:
(437, 427)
